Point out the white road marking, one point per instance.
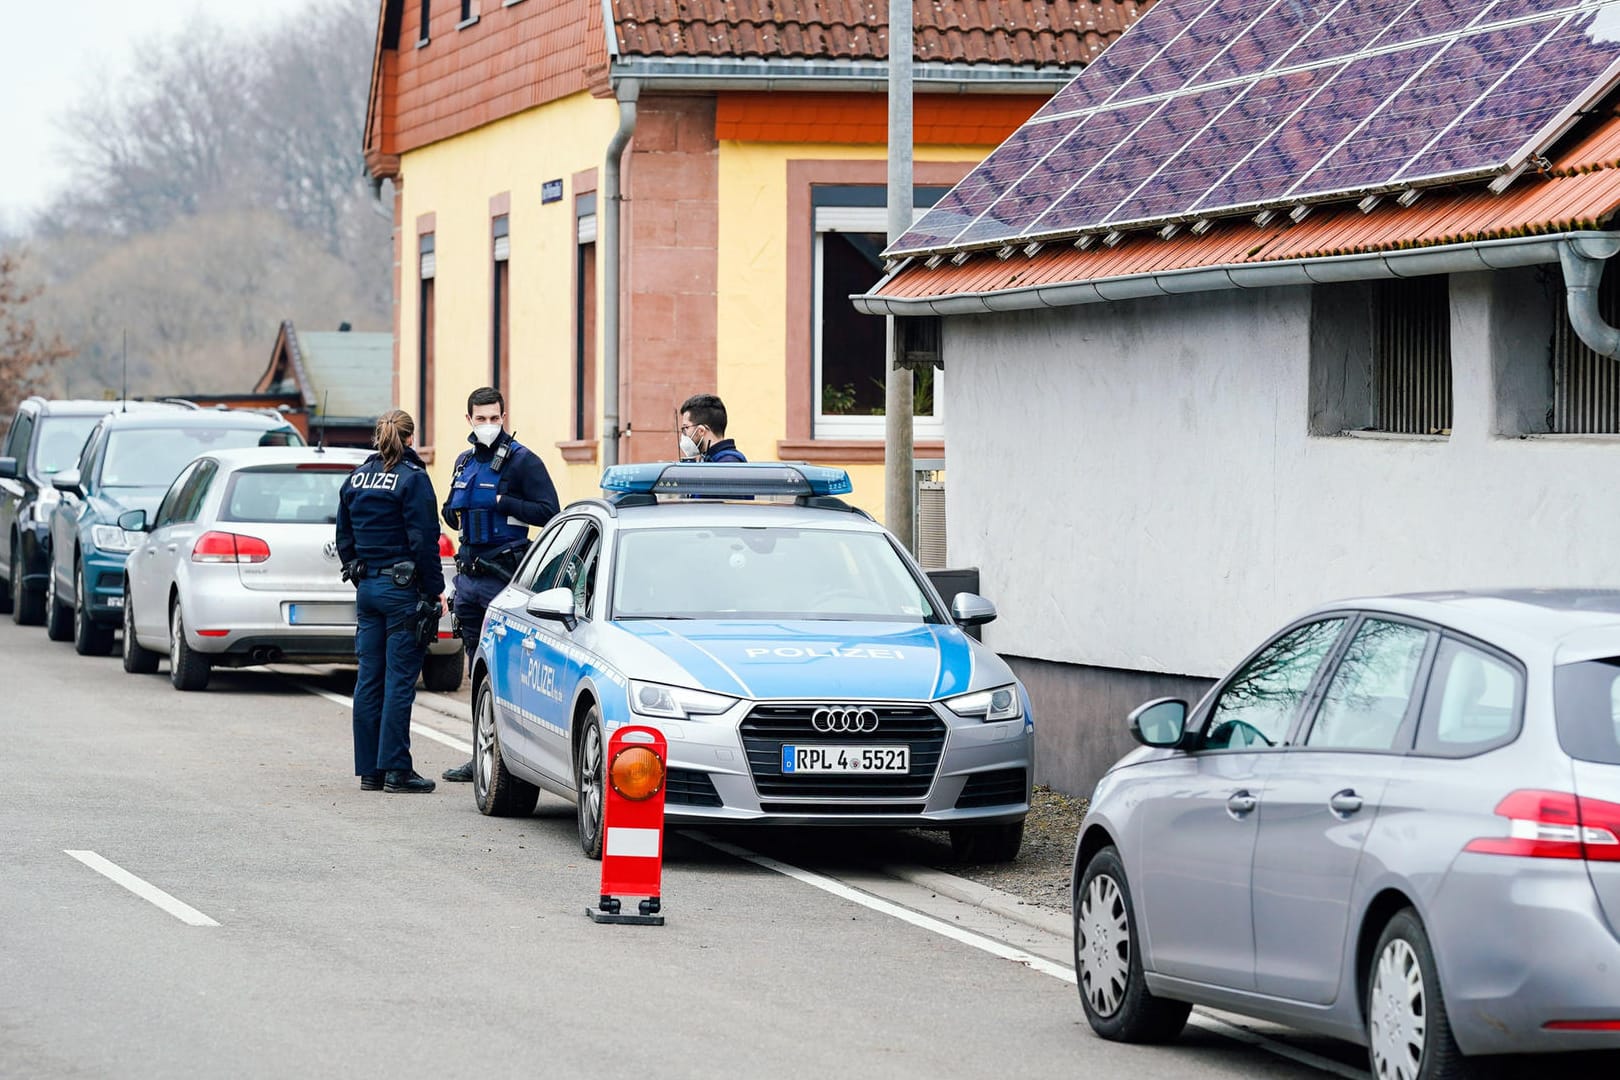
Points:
(417, 729)
(143, 889)
(1035, 963)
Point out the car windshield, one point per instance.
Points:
(153, 457)
(61, 439)
(764, 573)
(284, 493)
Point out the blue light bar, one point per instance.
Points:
(725, 480)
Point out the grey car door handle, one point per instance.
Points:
(173, 548)
(1345, 802)
(1241, 803)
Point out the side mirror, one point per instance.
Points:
(1161, 722)
(970, 609)
(8, 468)
(67, 482)
(554, 604)
(132, 521)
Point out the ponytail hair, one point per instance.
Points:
(394, 431)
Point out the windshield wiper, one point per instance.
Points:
(635, 618)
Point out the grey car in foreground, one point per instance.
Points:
(1397, 823)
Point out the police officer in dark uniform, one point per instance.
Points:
(498, 489)
(703, 431)
(388, 539)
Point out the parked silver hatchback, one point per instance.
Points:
(1397, 822)
(238, 566)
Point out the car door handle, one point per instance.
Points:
(528, 643)
(1241, 803)
(173, 548)
(1345, 802)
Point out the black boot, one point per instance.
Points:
(407, 780)
(371, 782)
(461, 774)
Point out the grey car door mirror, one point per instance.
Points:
(132, 521)
(67, 481)
(1161, 722)
(8, 468)
(554, 604)
(971, 609)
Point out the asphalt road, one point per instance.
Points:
(360, 931)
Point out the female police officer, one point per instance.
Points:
(388, 539)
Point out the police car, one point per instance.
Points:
(801, 667)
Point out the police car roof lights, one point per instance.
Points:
(722, 480)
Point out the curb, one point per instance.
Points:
(1001, 903)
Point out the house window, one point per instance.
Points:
(424, 343)
(427, 17)
(1412, 356)
(1381, 358)
(583, 413)
(1585, 385)
(849, 348)
(500, 321)
(469, 14)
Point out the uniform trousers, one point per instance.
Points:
(385, 689)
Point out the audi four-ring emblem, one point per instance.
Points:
(851, 718)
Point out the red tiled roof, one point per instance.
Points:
(1581, 191)
(1032, 32)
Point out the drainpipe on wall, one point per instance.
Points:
(1583, 261)
(626, 92)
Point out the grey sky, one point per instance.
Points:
(52, 52)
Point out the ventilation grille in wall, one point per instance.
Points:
(1586, 386)
(1412, 356)
(930, 519)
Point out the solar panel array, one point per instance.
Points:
(1210, 108)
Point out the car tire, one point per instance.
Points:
(497, 792)
(1408, 1028)
(58, 616)
(137, 661)
(27, 605)
(188, 668)
(1108, 965)
(590, 757)
(8, 598)
(89, 637)
(442, 673)
(987, 843)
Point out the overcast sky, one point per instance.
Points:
(51, 52)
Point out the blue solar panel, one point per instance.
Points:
(1214, 107)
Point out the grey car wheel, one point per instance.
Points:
(1107, 964)
(90, 638)
(58, 619)
(137, 661)
(188, 668)
(1408, 1032)
(8, 598)
(497, 792)
(588, 782)
(27, 604)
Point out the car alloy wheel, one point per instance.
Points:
(588, 779)
(177, 634)
(58, 619)
(1104, 945)
(13, 593)
(89, 637)
(484, 745)
(137, 660)
(496, 791)
(1396, 1013)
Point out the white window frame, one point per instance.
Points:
(858, 219)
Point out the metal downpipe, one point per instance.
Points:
(1583, 262)
(626, 92)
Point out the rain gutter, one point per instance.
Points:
(626, 91)
(682, 75)
(1581, 254)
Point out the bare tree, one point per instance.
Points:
(26, 356)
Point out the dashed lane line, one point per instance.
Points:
(141, 888)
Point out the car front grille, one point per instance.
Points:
(688, 787)
(999, 787)
(767, 728)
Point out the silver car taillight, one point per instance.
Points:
(1555, 825)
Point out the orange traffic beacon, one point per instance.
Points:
(633, 825)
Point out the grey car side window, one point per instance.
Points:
(168, 508)
(1256, 707)
(1370, 695)
(1474, 702)
(580, 575)
(545, 563)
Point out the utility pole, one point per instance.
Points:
(898, 478)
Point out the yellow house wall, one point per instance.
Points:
(454, 180)
(751, 344)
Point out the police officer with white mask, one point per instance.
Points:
(499, 488)
(388, 539)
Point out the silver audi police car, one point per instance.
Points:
(801, 667)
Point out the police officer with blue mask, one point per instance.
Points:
(388, 539)
(499, 488)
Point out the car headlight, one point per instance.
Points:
(1001, 703)
(113, 540)
(675, 702)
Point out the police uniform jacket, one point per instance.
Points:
(521, 490)
(385, 516)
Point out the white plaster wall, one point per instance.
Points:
(1137, 485)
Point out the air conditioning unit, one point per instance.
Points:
(929, 514)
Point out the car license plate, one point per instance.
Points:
(845, 759)
(320, 614)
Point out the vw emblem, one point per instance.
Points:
(329, 549)
(844, 718)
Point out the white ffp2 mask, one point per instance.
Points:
(487, 433)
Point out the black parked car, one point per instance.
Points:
(45, 438)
